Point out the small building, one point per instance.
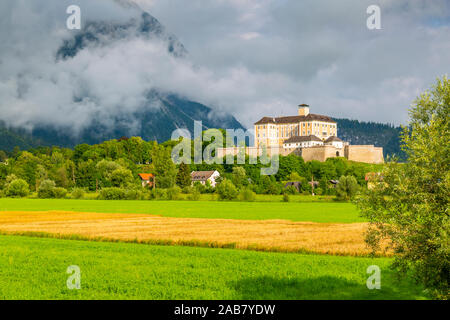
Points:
(302, 142)
(296, 184)
(334, 183)
(203, 176)
(147, 179)
(335, 142)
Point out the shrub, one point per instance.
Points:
(291, 190)
(187, 189)
(194, 195)
(273, 188)
(173, 193)
(226, 190)
(247, 195)
(286, 197)
(17, 188)
(46, 189)
(346, 188)
(59, 193)
(318, 191)
(158, 194)
(77, 193)
(134, 194)
(112, 194)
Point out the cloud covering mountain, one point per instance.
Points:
(250, 58)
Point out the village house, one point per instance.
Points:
(147, 179)
(203, 176)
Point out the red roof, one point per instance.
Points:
(146, 176)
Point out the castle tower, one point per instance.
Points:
(303, 110)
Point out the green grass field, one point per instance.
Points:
(294, 211)
(35, 268)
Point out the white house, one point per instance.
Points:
(335, 142)
(203, 176)
(302, 142)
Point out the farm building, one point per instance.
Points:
(296, 184)
(203, 176)
(147, 179)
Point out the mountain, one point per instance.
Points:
(156, 118)
(381, 135)
(10, 138)
(161, 112)
(151, 123)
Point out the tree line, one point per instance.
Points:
(117, 163)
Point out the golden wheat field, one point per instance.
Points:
(270, 235)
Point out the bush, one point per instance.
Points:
(194, 195)
(318, 191)
(346, 188)
(187, 189)
(273, 188)
(291, 190)
(247, 195)
(226, 190)
(158, 194)
(173, 193)
(134, 194)
(46, 189)
(59, 193)
(17, 188)
(286, 197)
(112, 194)
(77, 193)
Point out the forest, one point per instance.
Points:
(112, 167)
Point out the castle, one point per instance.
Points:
(312, 136)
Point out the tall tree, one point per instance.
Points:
(409, 203)
(165, 169)
(184, 175)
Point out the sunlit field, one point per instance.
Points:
(265, 235)
(327, 212)
(35, 268)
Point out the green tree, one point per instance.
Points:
(294, 176)
(121, 177)
(409, 204)
(184, 175)
(165, 169)
(47, 189)
(347, 188)
(3, 156)
(227, 190)
(239, 177)
(17, 188)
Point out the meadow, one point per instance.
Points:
(35, 268)
(321, 212)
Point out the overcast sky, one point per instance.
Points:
(250, 58)
(318, 52)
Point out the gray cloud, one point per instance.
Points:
(251, 58)
(321, 49)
